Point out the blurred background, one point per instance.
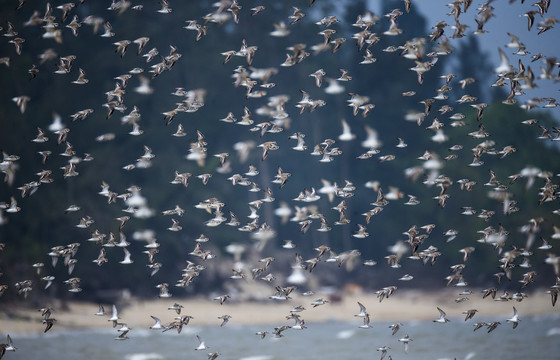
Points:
(43, 223)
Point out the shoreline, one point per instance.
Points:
(402, 306)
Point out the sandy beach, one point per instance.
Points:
(402, 306)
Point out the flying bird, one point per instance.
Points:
(442, 317)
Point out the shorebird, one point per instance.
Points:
(41, 136)
(318, 75)
(300, 323)
(141, 42)
(489, 292)
(21, 102)
(278, 330)
(180, 131)
(176, 307)
(157, 324)
(478, 325)
(213, 355)
(395, 327)
(405, 340)
(361, 233)
(49, 322)
(346, 132)
(514, 319)
(366, 324)
(81, 78)
(491, 326)
(466, 252)
(296, 16)
(123, 327)
(469, 313)
(165, 9)
(442, 319)
(18, 42)
(319, 302)
(221, 298)
(225, 319)
(175, 226)
(114, 317)
(202, 344)
(362, 312)
(257, 9)
(280, 30)
(298, 308)
(163, 290)
(383, 350)
(9, 346)
(122, 336)
(267, 147)
(121, 46)
(127, 260)
(281, 178)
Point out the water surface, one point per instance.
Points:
(534, 338)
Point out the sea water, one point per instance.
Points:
(534, 338)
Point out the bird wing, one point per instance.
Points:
(362, 308)
(158, 321)
(126, 254)
(345, 127)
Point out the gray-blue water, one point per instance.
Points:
(534, 338)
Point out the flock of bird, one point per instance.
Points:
(60, 20)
